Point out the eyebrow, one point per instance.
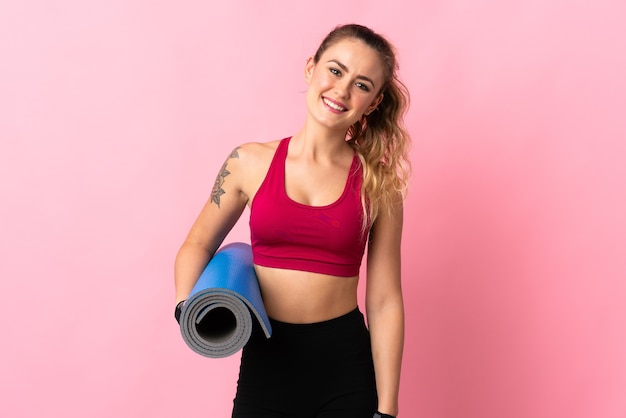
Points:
(343, 67)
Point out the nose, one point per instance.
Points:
(342, 88)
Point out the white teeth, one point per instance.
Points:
(334, 106)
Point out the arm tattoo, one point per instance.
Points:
(217, 191)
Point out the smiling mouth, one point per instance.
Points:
(333, 105)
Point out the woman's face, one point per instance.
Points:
(344, 84)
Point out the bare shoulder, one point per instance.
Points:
(254, 156)
(252, 160)
(256, 152)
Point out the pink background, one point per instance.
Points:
(115, 116)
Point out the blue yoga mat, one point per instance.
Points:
(217, 318)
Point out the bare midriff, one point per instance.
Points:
(301, 297)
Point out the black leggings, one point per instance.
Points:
(320, 370)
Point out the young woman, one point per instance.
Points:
(316, 199)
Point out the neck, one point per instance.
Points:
(320, 142)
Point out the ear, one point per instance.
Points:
(308, 69)
(375, 104)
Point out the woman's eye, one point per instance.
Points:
(363, 86)
(335, 71)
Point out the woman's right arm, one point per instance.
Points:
(216, 219)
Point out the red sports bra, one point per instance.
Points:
(321, 239)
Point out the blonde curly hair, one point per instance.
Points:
(380, 138)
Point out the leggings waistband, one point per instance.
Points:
(354, 316)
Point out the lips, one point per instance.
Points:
(334, 105)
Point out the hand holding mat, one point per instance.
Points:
(216, 320)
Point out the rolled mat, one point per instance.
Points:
(216, 320)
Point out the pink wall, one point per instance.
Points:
(115, 116)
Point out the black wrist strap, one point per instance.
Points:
(381, 415)
(178, 310)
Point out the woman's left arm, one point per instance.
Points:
(384, 305)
